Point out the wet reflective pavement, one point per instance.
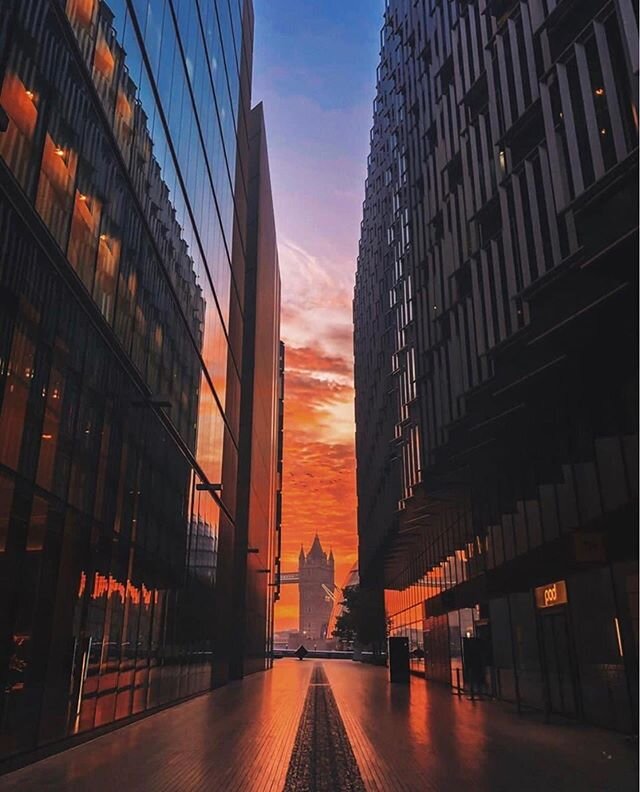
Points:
(332, 726)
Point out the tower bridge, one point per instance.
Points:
(315, 579)
(288, 578)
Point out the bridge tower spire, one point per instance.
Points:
(316, 571)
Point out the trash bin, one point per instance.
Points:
(473, 655)
(399, 660)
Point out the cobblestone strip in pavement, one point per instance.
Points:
(322, 759)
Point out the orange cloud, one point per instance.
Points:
(310, 396)
(308, 359)
(319, 465)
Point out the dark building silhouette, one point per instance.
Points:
(495, 348)
(316, 581)
(127, 290)
(260, 479)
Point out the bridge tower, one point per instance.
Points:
(315, 570)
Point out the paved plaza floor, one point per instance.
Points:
(337, 726)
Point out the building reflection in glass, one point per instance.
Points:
(119, 132)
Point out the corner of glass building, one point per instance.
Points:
(124, 192)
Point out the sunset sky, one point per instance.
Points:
(314, 69)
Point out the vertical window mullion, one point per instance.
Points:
(502, 306)
(477, 309)
(528, 45)
(535, 217)
(522, 236)
(589, 111)
(572, 144)
(552, 217)
(628, 29)
(517, 71)
(559, 186)
(611, 93)
(487, 300)
(504, 90)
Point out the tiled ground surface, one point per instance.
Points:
(237, 739)
(424, 739)
(417, 739)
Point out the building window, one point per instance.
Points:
(81, 11)
(104, 290)
(55, 188)
(83, 239)
(17, 383)
(19, 100)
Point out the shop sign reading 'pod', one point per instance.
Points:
(551, 595)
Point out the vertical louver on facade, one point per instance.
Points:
(494, 309)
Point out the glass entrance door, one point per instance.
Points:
(558, 664)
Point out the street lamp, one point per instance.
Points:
(206, 487)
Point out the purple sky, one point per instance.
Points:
(314, 68)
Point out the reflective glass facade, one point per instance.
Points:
(123, 199)
(495, 360)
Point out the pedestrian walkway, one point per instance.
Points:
(337, 726)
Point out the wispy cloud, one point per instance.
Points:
(311, 361)
(316, 305)
(315, 72)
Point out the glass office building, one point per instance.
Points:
(123, 208)
(495, 349)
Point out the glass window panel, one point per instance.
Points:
(6, 499)
(104, 290)
(157, 33)
(56, 185)
(567, 505)
(50, 429)
(124, 114)
(17, 382)
(549, 511)
(83, 237)
(37, 528)
(107, 57)
(520, 529)
(508, 538)
(611, 472)
(81, 13)
(20, 100)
